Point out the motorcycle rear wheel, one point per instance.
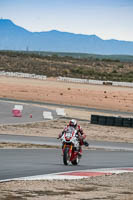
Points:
(76, 161)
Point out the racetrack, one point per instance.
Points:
(119, 146)
(15, 163)
(6, 116)
(28, 162)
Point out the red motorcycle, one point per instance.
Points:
(70, 146)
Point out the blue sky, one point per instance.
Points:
(105, 18)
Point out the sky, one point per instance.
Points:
(108, 19)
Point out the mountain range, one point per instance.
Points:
(13, 37)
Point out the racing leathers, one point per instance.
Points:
(80, 135)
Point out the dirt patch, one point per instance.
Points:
(51, 90)
(111, 187)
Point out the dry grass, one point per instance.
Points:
(54, 66)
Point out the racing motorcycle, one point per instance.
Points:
(70, 146)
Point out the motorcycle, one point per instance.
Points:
(70, 146)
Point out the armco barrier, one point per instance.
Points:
(22, 75)
(75, 80)
(112, 121)
(96, 82)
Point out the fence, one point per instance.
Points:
(67, 79)
(96, 82)
(22, 75)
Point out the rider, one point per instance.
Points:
(80, 133)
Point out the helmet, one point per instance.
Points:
(73, 123)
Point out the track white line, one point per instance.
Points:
(66, 176)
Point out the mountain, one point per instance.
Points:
(13, 37)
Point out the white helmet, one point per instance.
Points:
(73, 123)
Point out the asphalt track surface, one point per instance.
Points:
(119, 146)
(15, 163)
(6, 116)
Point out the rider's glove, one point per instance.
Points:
(86, 143)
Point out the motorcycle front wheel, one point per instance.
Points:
(66, 157)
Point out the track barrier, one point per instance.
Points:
(112, 121)
(23, 75)
(95, 82)
(18, 107)
(47, 115)
(17, 110)
(60, 112)
(16, 113)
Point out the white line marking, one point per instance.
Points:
(62, 176)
